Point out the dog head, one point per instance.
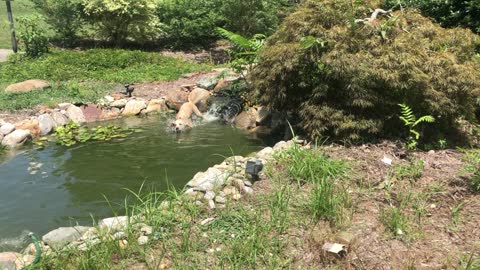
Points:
(180, 125)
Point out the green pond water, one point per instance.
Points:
(72, 183)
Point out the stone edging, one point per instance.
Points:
(213, 188)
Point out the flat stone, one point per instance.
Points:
(31, 124)
(114, 224)
(208, 83)
(134, 107)
(27, 86)
(17, 137)
(59, 118)
(142, 240)
(75, 114)
(7, 128)
(46, 124)
(156, 106)
(91, 112)
(121, 103)
(212, 177)
(62, 236)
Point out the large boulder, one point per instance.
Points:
(46, 123)
(208, 83)
(121, 103)
(110, 113)
(31, 124)
(200, 97)
(75, 114)
(156, 106)
(17, 137)
(60, 237)
(114, 224)
(247, 119)
(27, 86)
(134, 107)
(176, 98)
(11, 260)
(208, 180)
(91, 112)
(7, 128)
(59, 118)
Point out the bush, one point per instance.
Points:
(64, 16)
(32, 36)
(343, 76)
(123, 20)
(449, 13)
(189, 22)
(253, 16)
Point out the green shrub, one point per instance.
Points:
(64, 16)
(449, 13)
(348, 85)
(472, 159)
(123, 20)
(32, 36)
(412, 171)
(189, 22)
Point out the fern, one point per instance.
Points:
(411, 121)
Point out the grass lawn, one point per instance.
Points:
(19, 8)
(83, 76)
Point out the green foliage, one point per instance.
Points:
(410, 121)
(348, 85)
(188, 22)
(449, 13)
(32, 36)
(73, 133)
(64, 16)
(472, 167)
(394, 221)
(123, 20)
(245, 51)
(412, 171)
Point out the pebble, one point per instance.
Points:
(142, 240)
(146, 230)
(211, 204)
(209, 195)
(220, 199)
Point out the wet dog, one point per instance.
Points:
(184, 116)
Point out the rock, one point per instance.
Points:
(59, 118)
(200, 97)
(114, 224)
(46, 123)
(32, 250)
(209, 195)
(142, 240)
(175, 99)
(237, 196)
(208, 83)
(91, 233)
(222, 85)
(282, 145)
(246, 119)
(220, 199)
(134, 107)
(265, 153)
(212, 177)
(211, 204)
(248, 190)
(156, 106)
(75, 114)
(207, 221)
(335, 249)
(64, 106)
(119, 235)
(30, 124)
(11, 260)
(27, 86)
(146, 230)
(91, 112)
(248, 183)
(123, 244)
(110, 113)
(7, 128)
(17, 137)
(121, 103)
(229, 190)
(62, 236)
(109, 99)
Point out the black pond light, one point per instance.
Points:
(128, 90)
(253, 168)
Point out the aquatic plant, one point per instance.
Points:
(73, 133)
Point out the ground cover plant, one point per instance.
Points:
(348, 84)
(86, 76)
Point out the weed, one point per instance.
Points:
(412, 171)
(411, 122)
(472, 158)
(456, 211)
(328, 201)
(469, 262)
(395, 221)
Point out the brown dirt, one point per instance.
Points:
(438, 242)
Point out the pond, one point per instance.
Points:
(72, 184)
